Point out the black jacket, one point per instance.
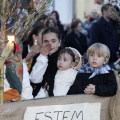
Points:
(75, 41)
(105, 84)
(106, 33)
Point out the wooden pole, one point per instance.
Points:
(1, 84)
(3, 27)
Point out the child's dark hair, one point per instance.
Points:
(68, 51)
(51, 30)
(35, 31)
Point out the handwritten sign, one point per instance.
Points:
(82, 111)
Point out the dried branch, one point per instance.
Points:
(23, 22)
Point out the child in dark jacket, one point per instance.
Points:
(96, 77)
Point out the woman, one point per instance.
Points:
(76, 38)
(55, 15)
(44, 66)
(50, 22)
(34, 44)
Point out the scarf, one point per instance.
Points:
(95, 71)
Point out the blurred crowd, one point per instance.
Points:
(103, 28)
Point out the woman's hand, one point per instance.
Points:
(45, 50)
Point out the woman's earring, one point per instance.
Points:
(35, 42)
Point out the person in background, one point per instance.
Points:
(16, 77)
(106, 31)
(44, 65)
(50, 22)
(76, 38)
(55, 15)
(69, 60)
(96, 77)
(87, 24)
(83, 30)
(68, 29)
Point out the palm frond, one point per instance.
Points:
(22, 22)
(10, 10)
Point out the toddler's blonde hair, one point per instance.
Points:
(101, 49)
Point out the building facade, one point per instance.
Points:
(69, 9)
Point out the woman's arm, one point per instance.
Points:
(39, 69)
(26, 87)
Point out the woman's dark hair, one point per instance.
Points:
(35, 31)
(57, 15)
(51, 30)
(68, 51)
(46, 22)
(75, 23)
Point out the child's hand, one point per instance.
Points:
(45, 50)
(90, 89)
(87, 90)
